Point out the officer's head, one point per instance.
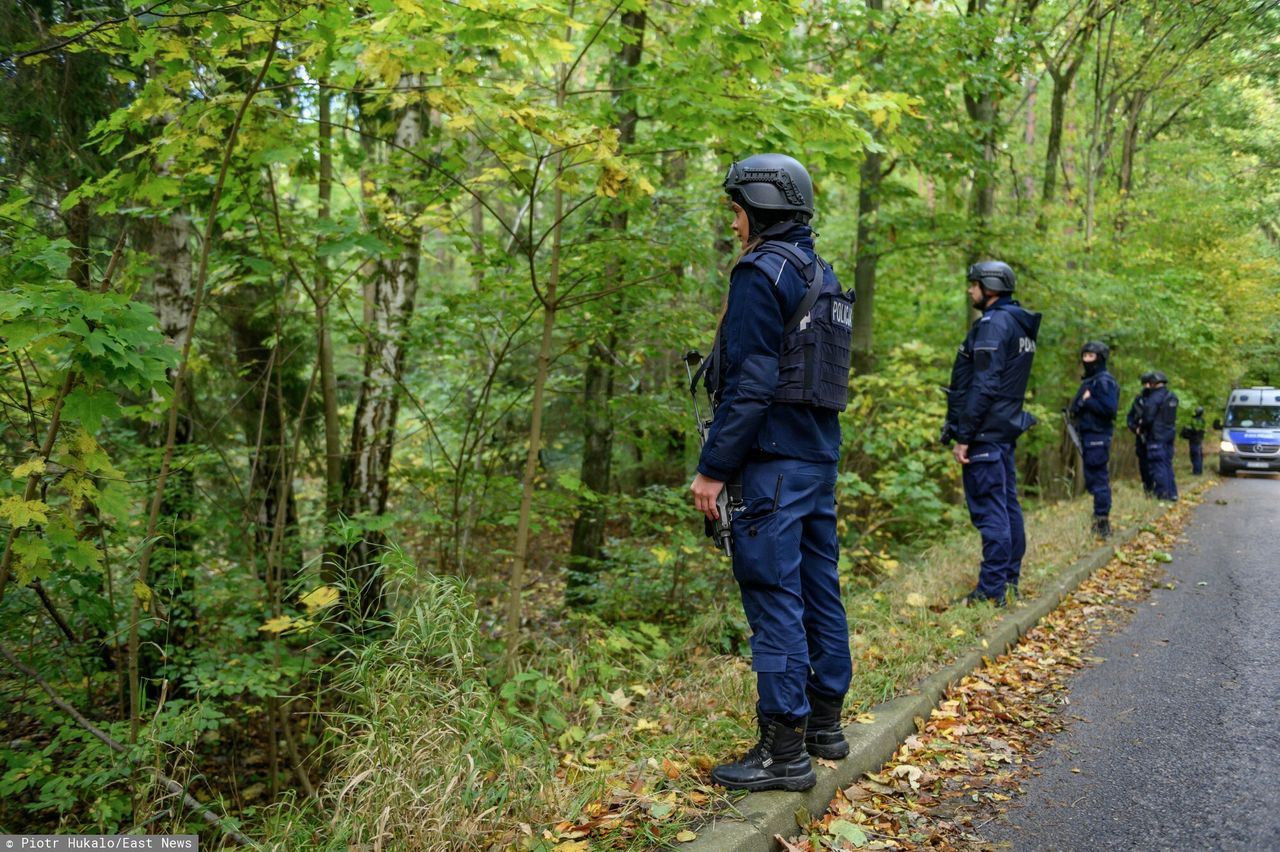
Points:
(989, 279)
(1095, 352)
(768, 189)
(1199, 411)
(1158, 378)
(1148, 380)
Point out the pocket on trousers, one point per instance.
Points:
(1095, 455)
(768, 662)
(755, 549)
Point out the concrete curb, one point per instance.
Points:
(762, 815)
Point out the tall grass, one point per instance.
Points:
(427, 759)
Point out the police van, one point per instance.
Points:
(1251, 431)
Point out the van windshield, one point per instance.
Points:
(1254, 416)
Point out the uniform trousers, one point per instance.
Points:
(991, 491)
(1160, 465)
(785, 561)
(1096, 456)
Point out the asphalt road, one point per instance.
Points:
(1176, 737)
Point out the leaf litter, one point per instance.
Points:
(964, 764)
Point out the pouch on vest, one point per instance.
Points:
(817, 341)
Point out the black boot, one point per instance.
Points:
(777, 762)
(824, 737)
(1102, 526)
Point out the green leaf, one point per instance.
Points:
(849, 832)
(84, 555)
(90, 407)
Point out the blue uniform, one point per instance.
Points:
(1134, 421)
(1159, 422)
(1195, 443)
(984, 410)
(785, 455)
(1095, 419)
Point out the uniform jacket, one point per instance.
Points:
(763, 295)
(1098, 412)
(1134, 418)
(1160, 416)
(989, 377)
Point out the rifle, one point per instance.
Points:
(729, 501)
(1072, 433)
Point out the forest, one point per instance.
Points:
(347, 427)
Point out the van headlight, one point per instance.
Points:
(1227, 447)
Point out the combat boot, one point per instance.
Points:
(1102, 526)
(777, 762)
(824, 737)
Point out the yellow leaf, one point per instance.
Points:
(413, 8)
(460, 122)
(35, 465)
(686, 836)
(573, 846)
(865, 718)
(21, 512)
(916, 599)
(142, 592)
(646, 725)
(320, 598)
(279, 624)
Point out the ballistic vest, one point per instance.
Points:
(817, 341)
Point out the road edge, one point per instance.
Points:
(759, 816)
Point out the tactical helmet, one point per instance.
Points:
(771, 182)
(1199, 411)
(1097, 347)
(1159, 378)
(1149, 377)
(993, 275)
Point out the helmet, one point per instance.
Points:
(1159, 378)
(993, 275)
(1097, 347)
(1199, 411)
(771, 182)
(1148, 377)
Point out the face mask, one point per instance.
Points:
(1091, 368)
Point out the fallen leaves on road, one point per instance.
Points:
(954, 775)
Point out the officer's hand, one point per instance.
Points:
(1085, 396)
(961, 452)
(705, 491)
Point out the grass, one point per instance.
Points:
(606, 738)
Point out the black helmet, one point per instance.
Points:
(1199, 411)
(1149, 377)
(771, 182)
(993, 275)
(1159, 378)
(1097, 347)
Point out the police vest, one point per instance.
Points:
(817, 341)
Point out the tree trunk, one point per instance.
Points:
(390, 294)
(866, 251)
(597, 424)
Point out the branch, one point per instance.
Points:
(165, 781)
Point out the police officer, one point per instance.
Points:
(1134, 421)
(1094, 411)
(1194, 435)
(985, 419)
(1159, 423)
(778, 376)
